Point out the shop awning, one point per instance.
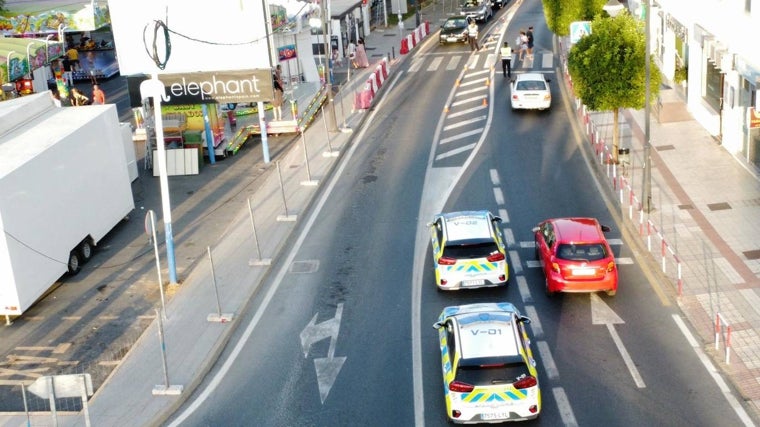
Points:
(50, 16)
(19, 56)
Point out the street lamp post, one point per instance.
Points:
(647, 175)
(332, 122)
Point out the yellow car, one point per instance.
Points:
(489, 373)
(468, 250)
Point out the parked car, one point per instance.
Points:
(489, 372)
(479, 10)
(453, 30)
(468, 250)
(530, 91)
(576, 256)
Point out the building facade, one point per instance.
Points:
(707, 51)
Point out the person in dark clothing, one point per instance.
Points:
(530, 42)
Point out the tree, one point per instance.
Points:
(561, 13)
(608, 68)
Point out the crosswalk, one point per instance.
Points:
(467, 112)
(452, 61)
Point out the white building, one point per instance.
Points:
(715, 40)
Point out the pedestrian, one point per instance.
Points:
(98, 96)
(472, 35)
(278, 93)
(360, 56)
(67, 76)
(529, 35)
(506, 60)
(78, 98)
(73, 55)
(522, 44)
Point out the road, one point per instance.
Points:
(341, 333)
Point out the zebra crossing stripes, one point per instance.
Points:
(483, 62)
(435, 63)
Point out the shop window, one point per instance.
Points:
(711, 92)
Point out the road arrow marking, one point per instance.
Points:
(602, 314)
(327, 367)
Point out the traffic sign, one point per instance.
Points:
(60, 386)
(579, 29)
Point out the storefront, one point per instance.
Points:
(24, 64)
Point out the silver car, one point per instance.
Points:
(479, 10)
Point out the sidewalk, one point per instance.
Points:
(192, 342)
(702, 230)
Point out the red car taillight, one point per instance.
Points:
(610, 266)
(447, 261)
(526, 382)
(495, 257)
(461, 387)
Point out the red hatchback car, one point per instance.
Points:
(575, 256)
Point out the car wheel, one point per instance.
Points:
(548, 292)
(86, 250)
(74, 264)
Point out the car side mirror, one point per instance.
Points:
(496, 219)
(524, 319)
(548, 80)
(535, 229)
(437, 325)
(606, 229)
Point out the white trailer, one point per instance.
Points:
(64, 184)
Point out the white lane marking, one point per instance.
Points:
(465, 122)
(737, 407)
(416, 65)
(435, 63)
(477, 73)
(278, 279)
(547, 60)
(624, 261)
(490, 61)
(481, 81)
(528, 245)
(503, 215)
(626, 357)
(478, 98)
(469, 91)
(453, 63)
(498, 195)
(535, 324)
(522, 286)
(565, 410)
(547, 359)
(455, 151)
(615, 242)
(460, 136)
(494, 176)
(533, 263)
(514, 259)
(467, 111)
(509, 237)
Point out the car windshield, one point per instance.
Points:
(477, 250)
(491, 374)
(587, 252)
(455, 23)
(531, 85)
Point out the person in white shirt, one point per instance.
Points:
(472, 35)
(506, 60)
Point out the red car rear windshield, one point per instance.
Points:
(582, 252)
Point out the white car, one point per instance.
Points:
(489, 373)
(530, 91)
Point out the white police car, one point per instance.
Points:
(489, 373)
(468, 250)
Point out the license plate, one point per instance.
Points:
(473, 282)
(452, 39)
(494, 416)
(583, 272)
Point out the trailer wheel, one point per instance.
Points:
(74, 264)
(86, 250)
